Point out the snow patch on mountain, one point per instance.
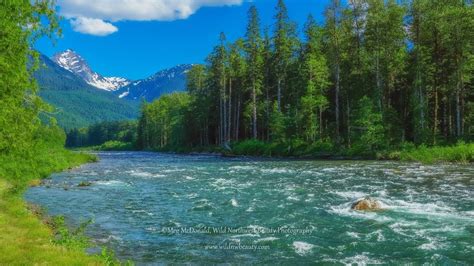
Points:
(74, 63)
(162, 82)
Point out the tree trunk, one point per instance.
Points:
(224, 123)
(338, 74)
(229, 121)
(379, 82)
(435, 120)
(220, 120)
(320, 123)
(348, 110)
(254, 111)
(267, 115)
(279, 95)
(237, 121)
(458, 110)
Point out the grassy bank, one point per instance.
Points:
(24, 238)
(459, 153)
(109, 146)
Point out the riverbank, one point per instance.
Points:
(458, 153)
(24, 238)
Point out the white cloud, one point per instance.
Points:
(92, 26)
(138, 10)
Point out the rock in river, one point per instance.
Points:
(366, 204)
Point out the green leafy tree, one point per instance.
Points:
(21, 24)
(370, 132)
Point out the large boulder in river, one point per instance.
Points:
(366, 204)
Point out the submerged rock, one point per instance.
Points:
(366, 204)
(84, 184)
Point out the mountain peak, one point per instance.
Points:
(73, 62)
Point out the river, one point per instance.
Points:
(164, 208)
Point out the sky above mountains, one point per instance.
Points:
(134, 39)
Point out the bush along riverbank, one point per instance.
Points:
(460, 153)
(457, 153)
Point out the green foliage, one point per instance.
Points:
(316, 75)
(114, 145)
(294, 147)
(98, 134)
(250, 147)
(82, 108)
(277, 124)
(461, 153)
(162, 122)
(369, 131)
(70, 239)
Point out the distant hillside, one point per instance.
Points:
(77, 103)
(163, 82)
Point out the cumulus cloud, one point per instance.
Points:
(92, 26)
(138, 10)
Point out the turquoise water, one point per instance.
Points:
(162, 208)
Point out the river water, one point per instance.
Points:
(163, 208)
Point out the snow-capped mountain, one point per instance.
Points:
(78, 104)
(165, 81)
(74, 63)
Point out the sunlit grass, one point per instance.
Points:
(24, 238)
(461, 153)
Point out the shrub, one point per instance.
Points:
(114, 145)
(460, 152)
(250, 147)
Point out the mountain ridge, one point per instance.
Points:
(73, 62)
(165, 81)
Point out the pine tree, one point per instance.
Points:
(283, 41)
(254, 56)
(316, 76)
(237, 71)
(334, 50)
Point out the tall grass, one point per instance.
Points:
(461, 153)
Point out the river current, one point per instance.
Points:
(163, 208)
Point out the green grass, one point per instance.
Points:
(115, 145)
(292, 148)
(112, 145)
(24, 238)
(460, 153)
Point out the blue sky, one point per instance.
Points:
(136, 49)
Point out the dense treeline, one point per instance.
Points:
(376, 74)
(98, 134)
(162, 123)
